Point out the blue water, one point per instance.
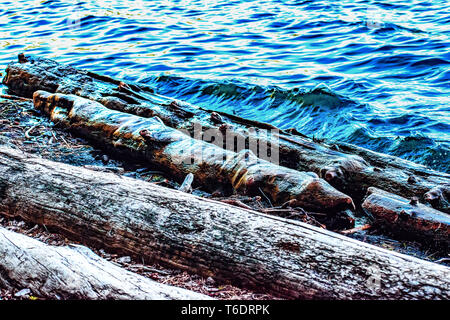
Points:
(372, 73)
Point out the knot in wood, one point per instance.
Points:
(122, 86)
(414, 201)
(412, 179)
(21, 57)
(145, 134)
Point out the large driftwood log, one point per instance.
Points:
(284, 257)
(74, 272)
(348, 168)
(179, 154)
(408, 218)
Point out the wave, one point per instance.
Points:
(318, 112)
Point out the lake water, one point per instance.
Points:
(372, 73)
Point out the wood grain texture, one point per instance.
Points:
(410, 218)
(74, 272)
(283, 257)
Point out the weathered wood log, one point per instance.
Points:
(348, 168)
(74, 272)
(283, 257)
(393, 174)
(408, 218)
(178, 154)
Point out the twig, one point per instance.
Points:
(277, 210)
(32, 229)
(267, 198)
(442, 260)
(186, 186)
(10, 97)
(354, 230)
(236, 203)
(53, 137)
(104, 169)
(27, 133)
(165, 273)
(65, 142)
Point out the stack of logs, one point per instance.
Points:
(279, 256)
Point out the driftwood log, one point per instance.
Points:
(408, 218)
(283, 257)
(74, 272)
(179, 155)
(348, 168)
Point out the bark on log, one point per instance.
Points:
(348, 168)
(283, 257)
(74, 272)
(179, 155)
(408, 218)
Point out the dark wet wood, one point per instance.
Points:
(179, 155)
(408, 217)
(283, 257)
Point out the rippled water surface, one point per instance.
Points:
(373, 73)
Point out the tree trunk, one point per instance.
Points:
(74, 272)
(408, 218)
(178, 154)
(283, 257)
(348, 168)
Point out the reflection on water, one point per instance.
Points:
(374, 73)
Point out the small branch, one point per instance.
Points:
(267, 198)
(236, 203)
(357, 229)
(11, 97)
(442, 260)
(186, 186)
(28, 132)
(104, 169)
(149, 269)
